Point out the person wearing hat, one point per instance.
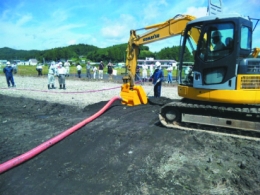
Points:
(144, 72)
(94, 72)
(110, 70)
(51, 76)
(8, 70)
(39, 69)
(67, 67)
(88, 69)
(157, 79)
(61, 75)
(79, 67)
(169, 70)
(101, 70)
(216, 40)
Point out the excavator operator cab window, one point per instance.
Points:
(189, 52)
(217, 42)
(246, 35)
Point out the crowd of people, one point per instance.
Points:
(62, 70)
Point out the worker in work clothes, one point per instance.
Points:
(8, 70)
(94, 72)
(39, 69)
(169, 70)
(101, 70)
(61, 75)
(51, 76)
(216, 40)
(67, 67)
(144, 72)
(157, 79)
(88, 69)
(79, 70)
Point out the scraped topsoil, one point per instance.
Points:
(124, 151)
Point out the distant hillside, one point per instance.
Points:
(50, 54)
(115, 53)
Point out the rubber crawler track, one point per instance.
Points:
(243, 112)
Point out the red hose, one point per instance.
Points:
(37, 150)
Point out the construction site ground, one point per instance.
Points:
(124, 151)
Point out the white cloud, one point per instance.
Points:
(72, 42)
(197, 11)
(59, 15)
(24, 19)
(113, 31)
(116, 31)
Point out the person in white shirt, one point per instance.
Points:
(151, 70)
(51, 76)
(88, 70)
(101, 70)
(144, 72)
(169, 70)
(79, 70)
(39, 69)
(94, 72)
(67, 67)
(61, 74)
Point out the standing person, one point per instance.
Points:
(188, 73)
(137, 73)
(169, 70)
(79, 70)
(67, 67)
(100, 70)
(144, 73)
(61, 76)
(15, 68)
(8, 70)
(51, 76)
(56, 67)
(39, 69)
(88, 69)
(151, 70)
(157, 79)
(94, 72)
(110, 70)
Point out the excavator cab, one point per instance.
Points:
(223, 86)
(219, 46)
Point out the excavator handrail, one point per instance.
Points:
(255, 52)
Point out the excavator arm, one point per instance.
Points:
(134, 95)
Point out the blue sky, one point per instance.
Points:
(46, 24)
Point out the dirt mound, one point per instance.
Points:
(125, 151)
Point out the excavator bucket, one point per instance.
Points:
(133, 97)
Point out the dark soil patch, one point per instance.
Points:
(125, 151)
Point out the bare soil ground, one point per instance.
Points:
(124, 151)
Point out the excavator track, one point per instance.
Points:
(240, 120)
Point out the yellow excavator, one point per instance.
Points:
(223, 86)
